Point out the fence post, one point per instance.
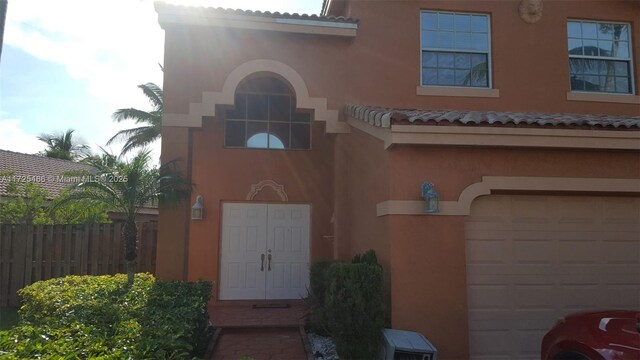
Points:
(67, 247)
(28, 261)
(38, 245)
(5, 253)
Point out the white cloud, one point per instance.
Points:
(111, 45)
(13, 138)
(108, 46)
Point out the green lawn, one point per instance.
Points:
(8, 318)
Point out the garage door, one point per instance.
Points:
(533, 259)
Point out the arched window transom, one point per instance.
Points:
(265, 117)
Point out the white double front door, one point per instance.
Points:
(264, 251)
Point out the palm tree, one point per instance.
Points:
(105, 159)
(143, 135)
(129, 187)
(478, 74)
(63, 146)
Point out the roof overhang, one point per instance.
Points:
(379, 125)
(183, 15)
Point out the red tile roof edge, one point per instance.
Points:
(385, 117)
(40, 169)
(160, 5)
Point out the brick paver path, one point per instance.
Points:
(247, 316)
(260, 344)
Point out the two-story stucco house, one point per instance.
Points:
(309, 137)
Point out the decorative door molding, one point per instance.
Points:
(278, 188)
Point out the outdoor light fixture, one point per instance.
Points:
(197, 208)
(431, 198)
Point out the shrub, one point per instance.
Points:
(82, 317)
(355, 309)
(176, 320)
(368, 257)
(318, 283)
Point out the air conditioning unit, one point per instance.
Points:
(406, 345)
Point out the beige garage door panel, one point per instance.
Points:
(532, 259)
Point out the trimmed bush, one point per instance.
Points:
(354, 309)
(318, 284)
(82, 317)
(368, 257)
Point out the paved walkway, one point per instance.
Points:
(258, 333)
(247, 316)
(260, 344)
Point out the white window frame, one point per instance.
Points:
(591, 57)
(488, 52)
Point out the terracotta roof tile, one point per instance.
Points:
(47, 170)
(385, 117)
(268, 14)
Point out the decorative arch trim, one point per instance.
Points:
(278, 188)
(462, 206)
(226, 97)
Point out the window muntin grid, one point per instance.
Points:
(600, 56)
(455, 49)
(267, 121)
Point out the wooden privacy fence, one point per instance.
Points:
(29, 253)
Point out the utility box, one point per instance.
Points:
(406, 345)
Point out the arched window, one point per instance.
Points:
(265, 116)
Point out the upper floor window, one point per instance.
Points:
(265, 117)
(455, 49)
(600, 57)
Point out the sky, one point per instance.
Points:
(69, 64)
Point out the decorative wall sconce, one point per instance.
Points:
(198, 208)
(431, 198)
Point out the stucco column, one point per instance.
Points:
(173, 226)
(428, 280)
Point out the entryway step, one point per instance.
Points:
(257, 317)
(260, 344)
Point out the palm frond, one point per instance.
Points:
(172, 184)
(142, 138)
(104, 161)
(154, 93)
(134, 114)
(101, 189)
(139, 132)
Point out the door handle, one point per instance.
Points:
(269, 262)
(261, 262)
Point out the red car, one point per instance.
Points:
(605, 335)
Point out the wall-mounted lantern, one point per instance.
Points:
(198, 208)
(431, 198)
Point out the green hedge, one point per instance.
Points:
(354, 307)
(368, 257)
(318, 284)
(83, 317)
